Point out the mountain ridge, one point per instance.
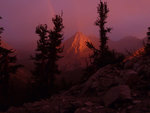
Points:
(76, 53)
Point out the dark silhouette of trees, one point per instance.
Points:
(147, 45)
(103, 56)
(56, 37)
(100, 22)
(7, 65)
(47, 54)
(41, 56)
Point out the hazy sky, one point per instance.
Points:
(20, 17)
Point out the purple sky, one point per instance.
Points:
(20, 17)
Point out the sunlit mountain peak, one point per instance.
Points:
(79, 42)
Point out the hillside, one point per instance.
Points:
(114, 88)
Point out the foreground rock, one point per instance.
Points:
(121, 92)
(123, 88)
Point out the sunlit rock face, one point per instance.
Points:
(76, 52)
(79, 44)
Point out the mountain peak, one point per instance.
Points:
(75, 52)
(79, 42)
(79, 33)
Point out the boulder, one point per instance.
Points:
(118, 92)
(130, 77)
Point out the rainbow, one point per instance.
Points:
(52, 10)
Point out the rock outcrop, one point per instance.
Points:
(118, 88)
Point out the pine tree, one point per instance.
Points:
(7, 64)
(101, 53)
(103, 56)
(48, 50)
(41, 57)
(102, 10)
(55, 48)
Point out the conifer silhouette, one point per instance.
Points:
(102, 11)
(55, 48)
(103, 56)
(47, 53)
(7, 64)
(101, 53)
(41, 56)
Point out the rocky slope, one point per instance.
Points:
(118, 88)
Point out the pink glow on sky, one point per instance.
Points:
(20, 17)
